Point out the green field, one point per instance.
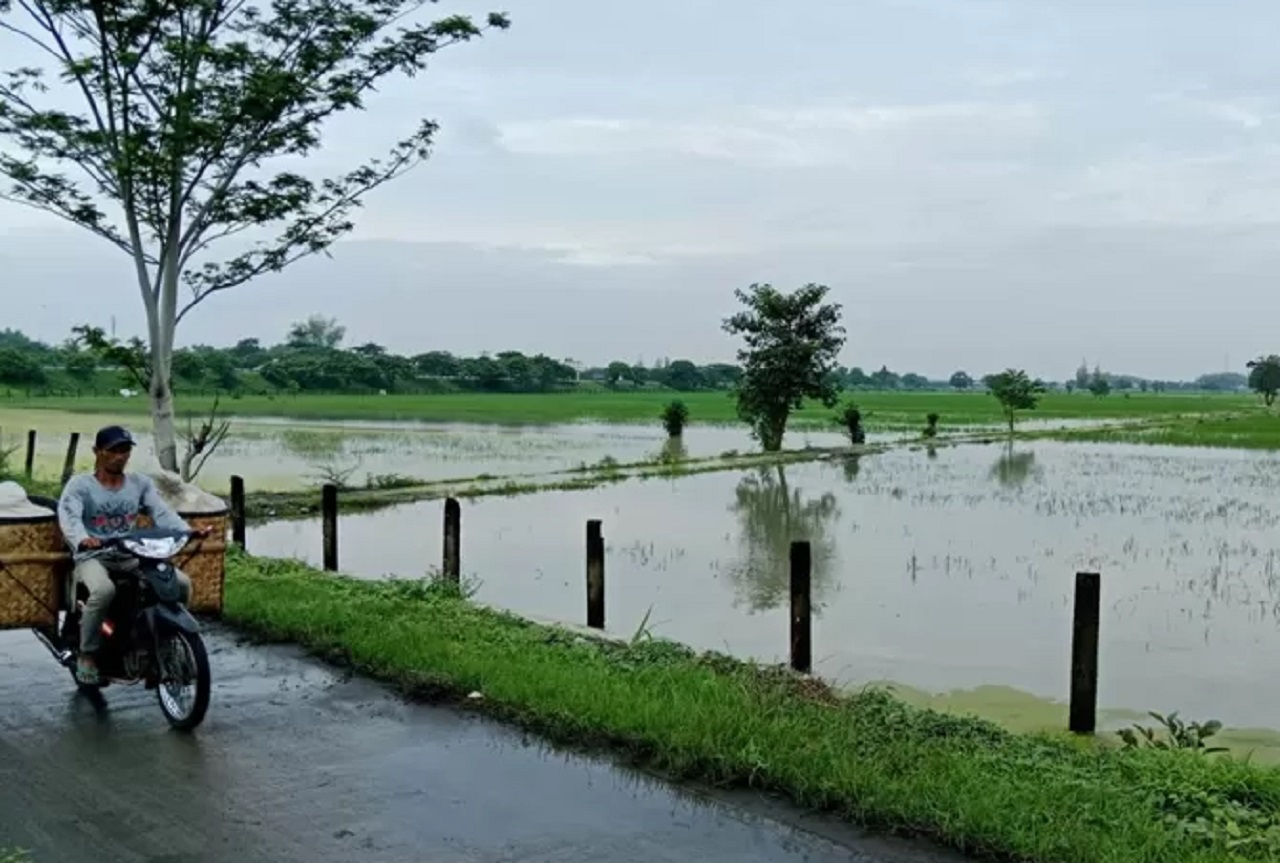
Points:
(880, 409)
(1216, 420)
(1255, 429)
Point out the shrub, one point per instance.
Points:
(674, 418)
(931, 430)
(850, 418)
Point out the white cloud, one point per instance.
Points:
(801, 137)
(1234, 112)
(1009, 154)
(586, 242)
(1247, 112)
(970, 9)
(1011, 77)
(614, 137)
(1225, 189)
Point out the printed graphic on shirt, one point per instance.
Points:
(114, 517)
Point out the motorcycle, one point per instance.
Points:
(147, 633)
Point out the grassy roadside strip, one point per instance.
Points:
(868, 756)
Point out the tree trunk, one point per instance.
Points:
(160, 392)
(786, 505)
(162, 423)
(163, 323)
(771, 430)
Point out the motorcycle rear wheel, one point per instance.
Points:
(197, 676)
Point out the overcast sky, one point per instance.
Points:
(982, 183)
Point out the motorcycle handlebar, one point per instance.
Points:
(116, 541)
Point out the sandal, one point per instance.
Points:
(88, 675)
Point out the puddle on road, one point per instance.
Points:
(944, 571)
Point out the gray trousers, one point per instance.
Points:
(93, 574)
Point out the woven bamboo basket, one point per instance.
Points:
(203, 560)
(34, 563)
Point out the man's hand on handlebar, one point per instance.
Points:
(90, 542)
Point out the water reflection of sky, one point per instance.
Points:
(947, 570)
(274, 453)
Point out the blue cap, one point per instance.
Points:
(112, 436)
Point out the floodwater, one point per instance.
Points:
(941, 571)
(279, 454)
(287, 454)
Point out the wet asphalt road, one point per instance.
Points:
(299, 762)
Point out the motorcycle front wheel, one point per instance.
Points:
(184, 686)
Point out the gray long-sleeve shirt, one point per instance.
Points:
(87, 508)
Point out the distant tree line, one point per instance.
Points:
(312, 358)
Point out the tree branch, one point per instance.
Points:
(23, 34)
(388, 56)
(314, 232)
(56, 195)
(64, 53)
(183, 98)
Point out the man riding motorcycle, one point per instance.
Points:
(98, 506)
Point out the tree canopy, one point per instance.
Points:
(77, 367)
(1264, 377)
(1015, 391)
(792, 341)
(192, 120)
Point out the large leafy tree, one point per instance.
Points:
(183, 106)
(1015, 391)
(792, 341)
(1264, 377)
(19, 369)
(317, 332)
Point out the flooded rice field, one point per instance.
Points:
(940, 571)
(277, 454)
(286, 454)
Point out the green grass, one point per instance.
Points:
(868, 756)
(1255, 430)
(1172, 419)
(879, 408)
